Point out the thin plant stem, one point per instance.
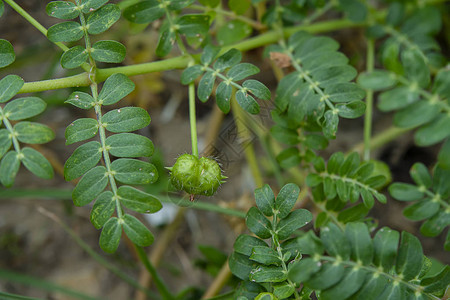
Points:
(182, 62)
(220, 11)
(33, 21)
(249, 150)
(66, 194)
(162, 288)
(10, 128)
(96, 256)
(98, 113)
(193, 119)
(382, 138)
(369, 101)
(38, 26)
(220, 280)
(39, 283)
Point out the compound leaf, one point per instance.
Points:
(65, 32)
(165, 43)
(361, 243)
(129, 145)
(409, 257)
(5, 141)
(227, 60)
(103, 209)
(80, 130)
(352, 110)
(62, 10)
(74, 57)
(242, 71)
(385, 245)
(377, 80)
(7, 55)
(244, 244)
(126, 119)
(416, 114)
(223, 96)
(335, 242)
(247, 102)
(10, 85)
(265, 200)
(82, 160)
(206, 86)
(136, 231)
(90, 186)
(258, 89)
(191, 73)
(286, 199)
(110, 236)
(108, 51)
(9, 166)
(116, 87)
(192, 25)
(293, 221)
(81, 100)
(36, 163)
(102, 19)
(24, 108)
(257, 223)
(33, 133)
(265, 255)
(240, 265)
(268, 274)
(137, 200)
(91, 5)
(133, 171)
(144, 12)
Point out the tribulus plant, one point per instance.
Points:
(286, 74)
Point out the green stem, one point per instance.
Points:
(320, 11)
(98, 113)
(33, 21)
(39, 283)
(162, 288)
(65, 194)
(193, 119)
(218, 10)
(277, 247)
(265, 141)
(330, 214)
(369, 100)
(249, 150)
(119, 273)
(182, 62)
(10, 128)
(382, 138)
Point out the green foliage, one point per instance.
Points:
(431, 196)
(345, 179)
(96, 17)
(7, 55)
(355, 266)
(22, 131)
(148, 11)
(236, 72)
(318, 92)
(253, 259)
(350, 258)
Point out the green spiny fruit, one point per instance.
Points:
(196, 176)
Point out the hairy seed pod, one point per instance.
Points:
(196, 176)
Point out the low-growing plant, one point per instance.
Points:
(319, 84)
